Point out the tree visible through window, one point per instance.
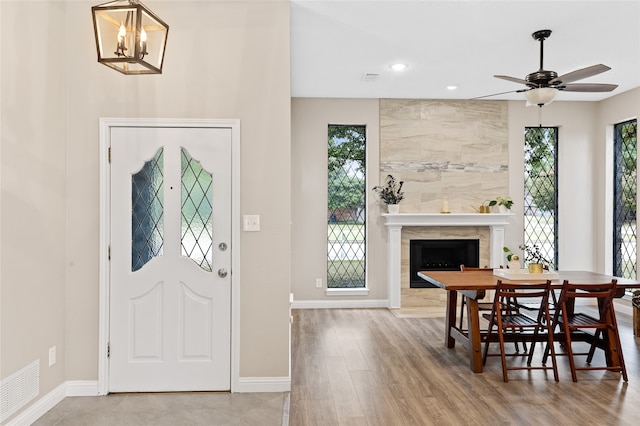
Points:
(346, 207)
(625, 197)
(540, 191)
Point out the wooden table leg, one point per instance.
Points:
(473, 327)
(450, 319)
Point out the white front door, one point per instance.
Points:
(170, 278)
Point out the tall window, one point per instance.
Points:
(625, 196)
(346, 207)
(540, 191)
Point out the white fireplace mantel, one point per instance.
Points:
(394, 222)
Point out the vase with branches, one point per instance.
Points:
(391, 192)
(533, 256)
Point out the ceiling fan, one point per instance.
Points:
(542, 85)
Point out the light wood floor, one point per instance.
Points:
(371, 367)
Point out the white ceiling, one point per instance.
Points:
(335, 42)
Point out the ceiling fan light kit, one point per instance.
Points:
(542, 86)
(540, 96)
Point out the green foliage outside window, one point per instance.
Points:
(540, 167)
(346, 144)
(346, 192)
(346, 177)
(628, 163)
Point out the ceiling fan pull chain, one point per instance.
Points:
(540, 116)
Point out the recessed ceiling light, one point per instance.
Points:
(398, 67)
(452, 87)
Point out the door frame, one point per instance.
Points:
(105, 233)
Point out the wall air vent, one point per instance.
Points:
(18, 389)
(370, 76)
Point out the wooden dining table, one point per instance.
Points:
(475, 284)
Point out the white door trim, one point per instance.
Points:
(105, 231)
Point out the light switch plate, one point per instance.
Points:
(52, 355)
(251, 222)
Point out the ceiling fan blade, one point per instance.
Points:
(588, 87)
(496, 94)
(580, 74)
(513, 79)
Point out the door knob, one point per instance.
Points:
(222, 272)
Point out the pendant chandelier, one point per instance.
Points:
(129, 37)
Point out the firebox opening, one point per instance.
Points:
(440, 255)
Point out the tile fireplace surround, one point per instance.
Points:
(394, 223)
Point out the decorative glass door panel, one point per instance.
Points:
(147, 212)
(197, 229)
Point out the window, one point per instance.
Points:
(346, 207)
(625, 197)
(540, 191)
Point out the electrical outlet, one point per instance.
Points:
(251, 222)
(52, 355)
(318, 282)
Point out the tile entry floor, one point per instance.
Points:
(171, 409)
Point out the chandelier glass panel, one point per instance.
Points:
(129, 37)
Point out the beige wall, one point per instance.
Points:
(33, 172)
(223, 60)
(309, 122)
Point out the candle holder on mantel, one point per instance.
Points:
(444, 207)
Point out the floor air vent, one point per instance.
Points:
(18, 389)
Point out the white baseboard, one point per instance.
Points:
(333, 304)
(36, 410)
(53, 398)
(263, 384)
(82, 388)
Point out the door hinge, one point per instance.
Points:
(109, 350)
(109, 253)
(109, 154)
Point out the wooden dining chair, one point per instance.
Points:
(513, 325)
(482, 306)
(571, 322)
